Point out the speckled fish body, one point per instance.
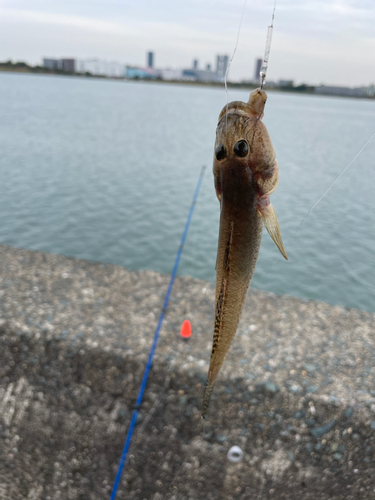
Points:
(245, 174)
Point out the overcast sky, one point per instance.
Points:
(314, 41)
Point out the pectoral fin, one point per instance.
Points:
(271, 222)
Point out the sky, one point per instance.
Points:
(328, 42)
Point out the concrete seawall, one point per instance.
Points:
(296, 393)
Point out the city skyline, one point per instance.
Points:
(206, 75)
(94, 66)
(314, 42)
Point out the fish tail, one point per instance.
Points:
(207, 396)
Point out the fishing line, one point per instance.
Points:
(230, 62)
(337, 178)
(263, 71)
(267, 50)
(154, 343)
(327, 191)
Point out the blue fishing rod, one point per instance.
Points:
(154, 343)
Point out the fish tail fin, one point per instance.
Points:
(271, 222)
(207, 396)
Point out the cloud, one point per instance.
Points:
(336, 34)
(35, 17)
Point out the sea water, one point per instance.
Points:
(106, 170)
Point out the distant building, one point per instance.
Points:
(271, 84)
(198, 75)
(343, 91)
(258, 66)
(285, 83)
(100, 67)
(50, 63)
(136, 72)
(150, 59)
(206, 75)
(221, 66)
(189, 75)
(68, 65)
(170, 74)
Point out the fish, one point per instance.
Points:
(245, 173)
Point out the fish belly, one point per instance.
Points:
(238, 249)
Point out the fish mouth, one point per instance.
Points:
(257, 101)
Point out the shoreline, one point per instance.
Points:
(231, 85)
(296, 392)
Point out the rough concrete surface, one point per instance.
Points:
(296, 393)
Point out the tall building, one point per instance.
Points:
(258, 66)
(150, 59)
(68, 65)
(221, 66)
(195, 64)
(51, 63)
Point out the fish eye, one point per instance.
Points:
(220, 152)
(241, 148)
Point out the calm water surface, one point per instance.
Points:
(106, 170)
